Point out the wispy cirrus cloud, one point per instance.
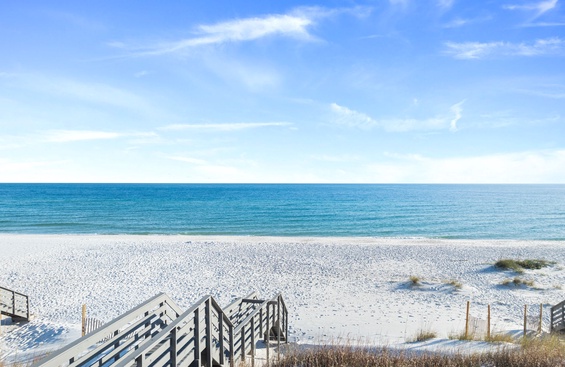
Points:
(90, 92)
(461, 22)
(242, 30)
(224, 127)
(538, 8)
(445, 4)
(481, 50)
(355, 119)
(296, 24)
(66, 136)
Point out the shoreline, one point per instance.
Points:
(335, 287)
(292, 239)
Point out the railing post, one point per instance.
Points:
(279, 328)
(174, 347)
(253, 341)
(221, 327)
(261, 321)
(27, 307)
(551, 320)
(232, 348)
(197, 337)
(267, 334)
(13, 303)
(208, 310)
(243, 343)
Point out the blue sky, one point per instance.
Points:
(406, 91)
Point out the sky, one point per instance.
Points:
(381, 91)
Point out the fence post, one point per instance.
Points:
(525, 319)
(488, 323)
(467, 320)
(83, 320)
(540, 317)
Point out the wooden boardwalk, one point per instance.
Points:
(157, 333)
(558, 317)
(14, 304)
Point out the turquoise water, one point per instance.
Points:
(435, 211)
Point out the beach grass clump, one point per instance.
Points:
(520, 265)
(424, 334)
(509, 264)
(518, 282)
(414, 280)
(461, 336)
(499, 338)
(456, 284)
(536, 354)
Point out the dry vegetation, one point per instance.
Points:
(520, 265)
(518, 281)
(541, 353)
(424, 334)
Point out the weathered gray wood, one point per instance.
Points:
(14, 304)
(144, 336)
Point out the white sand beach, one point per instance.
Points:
(337, 289)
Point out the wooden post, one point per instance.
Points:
(208, 315)
(268, 334)
(197, 350)
(279, 329)
(83, 320)
(488, 323)
(253, 341)
(467, 320)
(525, 319)
(540, 317)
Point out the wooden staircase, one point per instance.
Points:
(14, 305)
(157, 333)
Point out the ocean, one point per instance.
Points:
(535, 212)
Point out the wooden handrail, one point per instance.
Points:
(142, 337)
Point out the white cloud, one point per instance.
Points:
(460, 22)
(520, 167)
(223, 127)
(538, 8)
(350, 118)
(354, 119)
(65, 136)
(240, 30)
(456, 109)
(295, 25)
(445, 4)
(479, 50)
(98, 93)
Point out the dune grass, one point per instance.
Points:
(517, 282)
(541, 353)
(414, 280)
(423, 335)
(520, 265)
